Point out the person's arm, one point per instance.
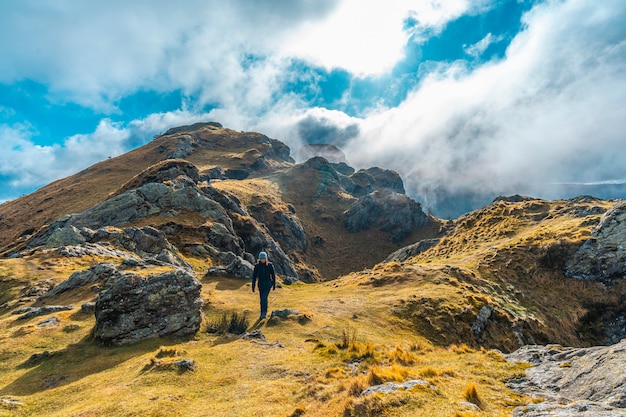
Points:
(254, 276)
(273, 276)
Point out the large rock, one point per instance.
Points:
(133, 308)
(237, 268)
(395, 213)
(582, 382)
(603, 256)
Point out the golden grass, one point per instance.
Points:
(365, 329)
(283, 376)
(471, 395)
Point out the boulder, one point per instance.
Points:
(132, 308)
(603, 255)
(573, 381)
(238, 268)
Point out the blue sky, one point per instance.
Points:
(459, 96)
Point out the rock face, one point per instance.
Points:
(133, 308)
(603, 256)
(99, 273)
(395, 213)
(582, 382)
(407, 252)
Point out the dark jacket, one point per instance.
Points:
(265, 274)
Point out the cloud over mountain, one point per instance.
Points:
(507, 109)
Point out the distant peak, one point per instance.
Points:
(192, 127)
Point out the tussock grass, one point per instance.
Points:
(309, 372)
(228, 322)
(471, 394)
(378, 375)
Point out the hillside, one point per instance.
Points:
(125, 291)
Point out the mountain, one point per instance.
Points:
(124, 289)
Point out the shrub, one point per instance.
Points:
(229, 322)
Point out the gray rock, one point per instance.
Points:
(254, 335)
(88, 307)
(238, 268)
(65, 236)
(38, 289)
(49, 322)
(372, 179)
(31, 312)
(391, 212)
(603, 256)
(478, 327)
(167, 257)
(579, 381)
(389, 387)
(407, 252)
(99, 273)
(5, 402)
(289, 280)
(133, 308)
(94, 249)
(283, 314)
(185, 365)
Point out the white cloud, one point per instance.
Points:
(93, 52)
(551, 111)
(477, 49)
(368, 37)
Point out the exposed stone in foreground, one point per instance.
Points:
(603, 256)
(389, 387)
(133, 308)
(582, 382)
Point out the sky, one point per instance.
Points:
(465, 99)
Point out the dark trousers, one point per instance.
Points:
(264, 293)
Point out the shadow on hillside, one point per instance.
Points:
(229, 338)
(231, 284)
(51, 369)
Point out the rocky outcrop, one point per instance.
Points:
(133, 308)
(582, 382)
(30, 312)
(368, 180)
(603, 255)
(391, 212)
(99, 273)
(238, 268)
(407, 252)
(149, 199)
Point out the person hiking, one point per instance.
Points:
(264, 273)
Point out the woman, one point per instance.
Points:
(264, 272)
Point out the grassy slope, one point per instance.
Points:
(75, 193)
(310, 369)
